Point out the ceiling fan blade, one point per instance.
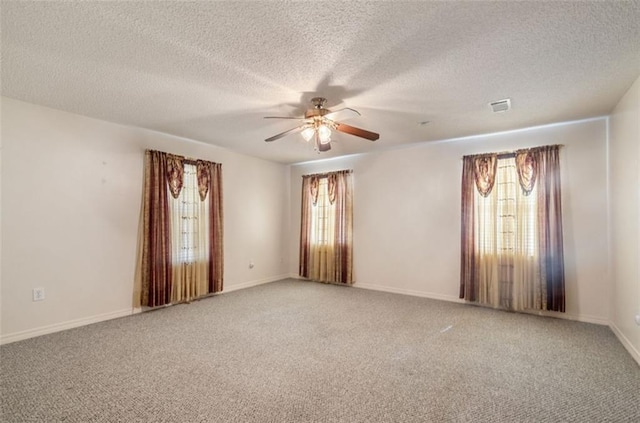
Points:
(352, 130)
(331, 115)
(324, 147)
(283, 117)
(282, 134)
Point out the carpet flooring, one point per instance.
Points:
(293, 351)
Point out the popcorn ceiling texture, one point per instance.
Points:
(211, 70)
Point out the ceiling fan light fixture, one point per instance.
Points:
(308, 133)
(324, 133)
(318, 124)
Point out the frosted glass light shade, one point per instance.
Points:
(324, 133)
(307, 134)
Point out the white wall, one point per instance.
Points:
(407, 213)
(624, 153)
(71, 192)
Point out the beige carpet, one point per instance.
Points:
(294, 351)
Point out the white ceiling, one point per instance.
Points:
(210, 71)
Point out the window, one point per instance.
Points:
(511, 223)
(321, 215)
(507, 216)
(326, 227)
(188, 216)
(180, 237)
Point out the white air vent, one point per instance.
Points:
(501, 105)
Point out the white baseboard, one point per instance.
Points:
(455, 299)
(254, 283)
(627, 344)
(568, 316)
(57, 327)
(414, 293)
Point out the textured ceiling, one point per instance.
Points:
(210, 71)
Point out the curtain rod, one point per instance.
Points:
(322, 175)
(507, 154)
(185, 159)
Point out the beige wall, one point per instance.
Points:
(407, 213)
(71, 191)
(624, 153)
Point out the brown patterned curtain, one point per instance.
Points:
(550, 225)
(204, 178)
(308, 201)
(216, 261)
(158, 264)
(313, 182)
(326, 252)
(340, 194)
(153, 281)
(527, 167)
(467, 257)
(484, 170)
(511, 241)
(175, 174)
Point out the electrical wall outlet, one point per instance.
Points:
(38, 294)
(638, 319)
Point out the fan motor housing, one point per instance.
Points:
(318, 108)
(315, 112)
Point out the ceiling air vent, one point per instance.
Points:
(501, 105)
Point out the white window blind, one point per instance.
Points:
(189, 204)
(321, 215)
(507, 217)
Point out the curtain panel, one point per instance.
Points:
(547, 162)
(331, 260)
(154, 271)
(216, 234)
(308, 201)
(468, 270)
(163, 275)
(529, 272)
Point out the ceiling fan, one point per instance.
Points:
(318, 122)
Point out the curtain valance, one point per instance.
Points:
(175, 173)
(527, 164)
(312, 184)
